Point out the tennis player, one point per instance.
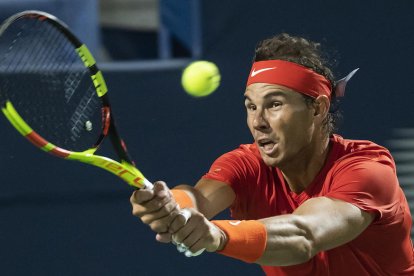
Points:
(305, 201)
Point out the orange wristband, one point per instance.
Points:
(182, 198)
(246, 239)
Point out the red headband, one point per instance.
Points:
(291, 75)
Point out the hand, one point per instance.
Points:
(156, 208)
(195, 233)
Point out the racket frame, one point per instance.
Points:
(125, 169)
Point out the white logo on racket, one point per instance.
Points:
(254, 72)
(235, 223)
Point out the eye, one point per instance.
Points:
(250, 107)
(275, 105)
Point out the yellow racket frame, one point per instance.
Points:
(124, 170)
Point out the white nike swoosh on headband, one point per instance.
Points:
(254, 72)
(235, 223)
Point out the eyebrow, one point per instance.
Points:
(269, 95)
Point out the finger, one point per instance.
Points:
(162, 224)
(161, 189)
(141, 196)
(186, 214)
(196, 249)
(188, 233)
(180, 220)
(191, 237)
(164, 237)
(165, 214)
(151, 206)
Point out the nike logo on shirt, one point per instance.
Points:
(254, 72)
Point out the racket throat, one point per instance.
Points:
(125, 171)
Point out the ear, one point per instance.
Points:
(321, 106)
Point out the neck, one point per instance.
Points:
(300, 172)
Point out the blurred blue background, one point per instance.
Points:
(64, 218)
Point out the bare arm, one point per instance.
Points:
(210, 197)
(318, 224)
(158, 209)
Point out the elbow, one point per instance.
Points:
(285, 248)
(304, 251)
(306, 246)
(298, 251)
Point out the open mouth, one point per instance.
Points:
(266, 145)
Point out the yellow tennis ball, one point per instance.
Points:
(200, 78)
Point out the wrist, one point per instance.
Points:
(182, 198)
(244, 240)
(223, 239)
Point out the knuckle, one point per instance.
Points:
(178, 223)
(159, 185)
(173, 227)
(209, 239)
(159, 204)
(170, 206)
(136, 212)
(156, 204)
(132, 199)
(157, 227)
(146, 219)
(177, 238)
(162, 212)
(160, 182)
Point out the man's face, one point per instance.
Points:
(280, 121)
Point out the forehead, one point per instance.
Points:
(257, 91)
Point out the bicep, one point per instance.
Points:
(332, 222)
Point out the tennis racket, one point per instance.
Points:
(53, 93)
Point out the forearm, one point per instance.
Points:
(208, 197)
(318, 224)
(275, 241)
(289, 241)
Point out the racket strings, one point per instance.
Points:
(44, 78)
(83, 112)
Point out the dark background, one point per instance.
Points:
(66, 218)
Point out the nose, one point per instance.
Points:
(259, 121)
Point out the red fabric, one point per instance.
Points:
(291, 75)
(358, 172)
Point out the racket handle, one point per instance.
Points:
(148, 185)
(188, 253)
(186, 214)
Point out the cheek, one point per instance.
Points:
(249, 123)
(302, 132)
(296, 127)
(282, 123)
